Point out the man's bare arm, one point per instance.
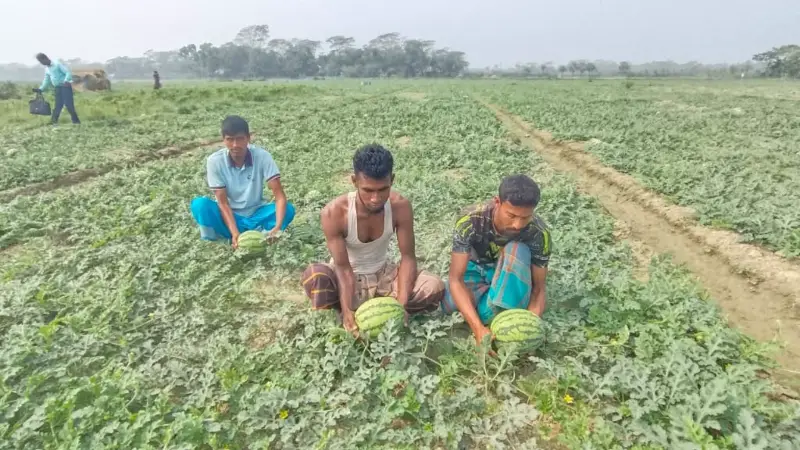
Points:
(334, 237)
(462, 296)
(407, 272)
(280, 202)
(538, 293)
(227, 214)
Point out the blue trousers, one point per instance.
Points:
(208, 216)
(495, 287)
(65, 98)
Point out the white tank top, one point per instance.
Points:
(370, 257)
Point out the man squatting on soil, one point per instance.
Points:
(500, 254)
(358, 227)
(236, 175)
(499, 259)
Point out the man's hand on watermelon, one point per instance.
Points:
(227, 215)
(345, 277)
(462, 297)
(405, 311)
(407, 271)
(538, 294)
(273, 234)
(349, 322)
(482, 333)
(485, 334)
(235, 240)
(403, 300)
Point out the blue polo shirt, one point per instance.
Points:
(243, 185)
(55, 74)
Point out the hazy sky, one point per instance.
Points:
(489, 31)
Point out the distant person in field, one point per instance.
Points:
(499, 259)
(236, 175)
(156, 80)
(358, 227)
(59, 77)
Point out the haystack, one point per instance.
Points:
(93, 79)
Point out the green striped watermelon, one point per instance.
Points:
(517, 326)
(252, 241)
(374, 313)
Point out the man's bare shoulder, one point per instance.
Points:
(335, 206)
(398, 202)
(335, 211)
(401, 209)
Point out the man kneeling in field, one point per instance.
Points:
(358, 227)
(236, 174)
(499, 259)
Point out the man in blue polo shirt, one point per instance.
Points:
(59, 77)
(236, 175)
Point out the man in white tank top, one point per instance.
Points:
(358, 228)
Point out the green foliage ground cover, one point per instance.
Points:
(726, 149)
(120, 126)
(120, 329)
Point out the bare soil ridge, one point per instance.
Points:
(80, 176)
(759, 290)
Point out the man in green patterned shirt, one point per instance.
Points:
(499, 259)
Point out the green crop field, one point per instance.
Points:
(120, 329)
(728, 150)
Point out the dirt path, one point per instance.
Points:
(79, 176)
(759, 291)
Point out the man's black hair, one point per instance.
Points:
(234, 126)
(41, 57)
(519, 190)
(374, 161)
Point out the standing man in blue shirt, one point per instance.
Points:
(58, 76)
(236, 175)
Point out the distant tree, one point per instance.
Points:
(582, 67)
(253, 38)
(781, 61)
(573, 67)
(562, 69)
(190, 56)
(448, 63)
(301, 58)
(341, 55)
(591, 68)
(339, 44)
(256, 36)
(625, 68)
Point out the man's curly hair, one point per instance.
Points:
(519, 190)
(373, 161)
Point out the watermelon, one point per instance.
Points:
(252, 241)
(517, 326)
(374, 313)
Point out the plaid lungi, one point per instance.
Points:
(322, 287)
(495, 287)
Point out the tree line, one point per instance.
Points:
(780, 62)
(656, 69)
(253, 54)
